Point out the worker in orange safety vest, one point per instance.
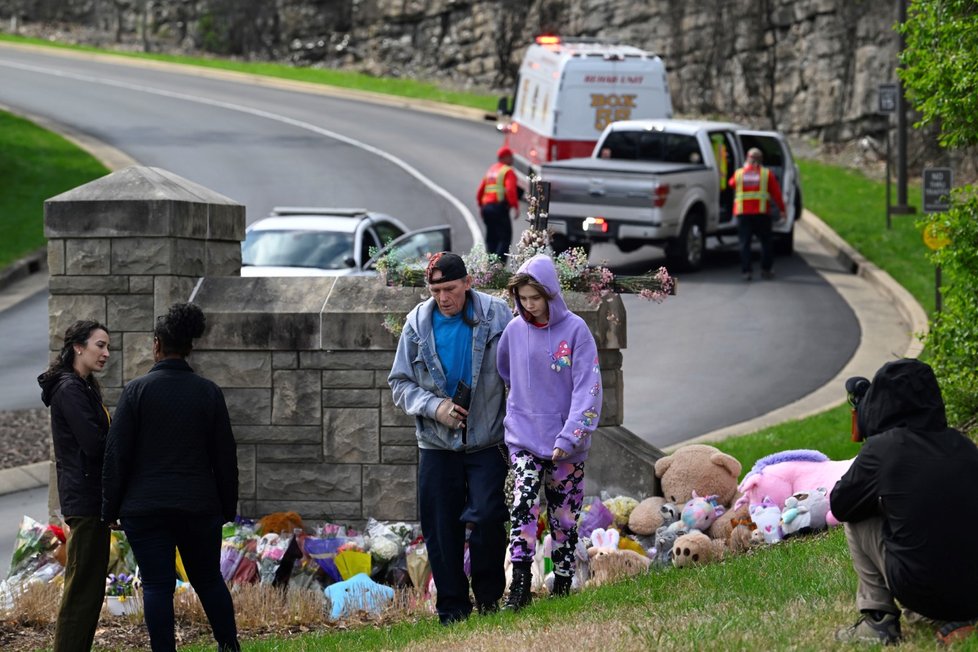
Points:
(499, 202)
(755, 187)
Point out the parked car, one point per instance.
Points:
(302, 241)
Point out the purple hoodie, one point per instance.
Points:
(553, 376)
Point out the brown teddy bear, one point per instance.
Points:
(696, 548)
(707, 471)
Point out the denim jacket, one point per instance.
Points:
(417, 377)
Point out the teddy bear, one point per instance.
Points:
(707, 471)
(782, 474)
(805, 511)
(696, 548)
(651, 514)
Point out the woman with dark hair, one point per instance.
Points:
(79, 423)
(171, 477)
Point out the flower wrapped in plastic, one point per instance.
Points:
(247, 570)
(271, 550)
(34, 542)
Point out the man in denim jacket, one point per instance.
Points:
(449, 342)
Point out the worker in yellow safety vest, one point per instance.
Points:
(755, 187)
(499, 202)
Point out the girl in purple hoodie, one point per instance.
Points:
(549, 361)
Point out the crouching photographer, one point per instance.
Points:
(912, 476)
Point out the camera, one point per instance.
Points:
(856, 388)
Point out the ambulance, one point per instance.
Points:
(569, 90)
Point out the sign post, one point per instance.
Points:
(888, 104)
(937, 199)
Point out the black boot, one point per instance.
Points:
(519, 590)
(562, 586)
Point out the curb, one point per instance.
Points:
(23, 478)
(427, 106)
(32, 263)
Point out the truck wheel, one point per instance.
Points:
(686, 252)
(784, 243)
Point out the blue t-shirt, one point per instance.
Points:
(453, 343)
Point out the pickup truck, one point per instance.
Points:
(664, 183)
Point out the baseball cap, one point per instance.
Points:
(451, 266)
(503, 152)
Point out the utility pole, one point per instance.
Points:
(901, 207)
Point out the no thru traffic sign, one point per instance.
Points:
(937, 189)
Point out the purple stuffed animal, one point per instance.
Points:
(782, 474)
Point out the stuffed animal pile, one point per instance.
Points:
(704, 514)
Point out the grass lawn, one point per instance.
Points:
(789, 596)
(35, 165)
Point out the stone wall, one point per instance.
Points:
(303, 362)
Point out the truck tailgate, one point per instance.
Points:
(590, 182)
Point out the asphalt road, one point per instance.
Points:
(721, 352)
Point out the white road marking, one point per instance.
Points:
(466, 214)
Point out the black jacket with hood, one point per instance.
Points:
(922, 477)
(79, 424)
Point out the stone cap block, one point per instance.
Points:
(143, 202)
(277, 314)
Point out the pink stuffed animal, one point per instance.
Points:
(782, 474)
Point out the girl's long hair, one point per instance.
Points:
(77, 334)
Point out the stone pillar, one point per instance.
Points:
(123, 248)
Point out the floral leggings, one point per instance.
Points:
(564, 488)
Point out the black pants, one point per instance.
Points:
(84, 592)
(760, 226)
(455, 489)
(154, 541)
(499, 230)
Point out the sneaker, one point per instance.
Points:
(952, 632)
(869, 630)
(767, 274)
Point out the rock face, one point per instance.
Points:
(808, 67)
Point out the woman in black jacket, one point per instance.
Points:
(79, 423)
(171, 477)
